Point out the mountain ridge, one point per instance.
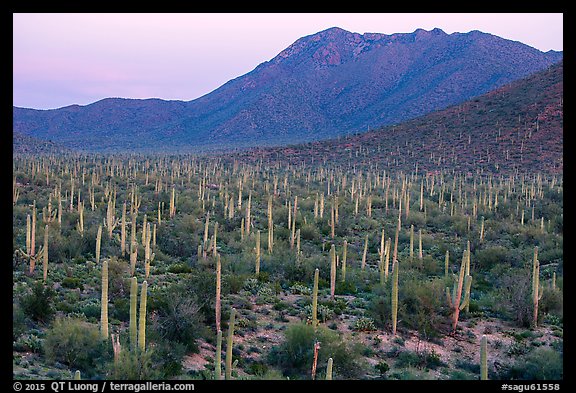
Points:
(330, 83)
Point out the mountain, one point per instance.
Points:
(331, 83)
(517, 127)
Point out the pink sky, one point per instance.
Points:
(64, 59)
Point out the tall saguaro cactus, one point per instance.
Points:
(332, 271)
(229, 344)
(344, 257)
(258, 252)
(270, 226)
(484, 358)
(329, 369)
(537, 290)
(98, 243)
(315, 299)
(394, 297)
(455, 301)
(218, 357)
(104, 302)
(133, 305)
(364, 253)
(45, 253)
(142, 318)
(123, 231)
(218, 291)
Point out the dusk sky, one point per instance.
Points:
(64, 59)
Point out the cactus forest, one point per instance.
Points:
(204, 267)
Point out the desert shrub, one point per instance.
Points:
(177, 316)
(251, 285)
(551, 302)
(118, 281)
(265, 294)
(234, 282)
(364, 324)
(323, 312)
(178, 268)
(18, 321)
(512, 295)
(382, 368)
(488, 257)
(28, 343)
(134, 365)
(299, 289)
(38, 305)
(309, 232)
(540, 364)
(167, 358)
(380, 308)
(72, 282)
(420, 304)
(76, 343)
(425, 360)
(294, 356)
(345, 288)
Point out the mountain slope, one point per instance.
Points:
(326, 84)
(518, 127)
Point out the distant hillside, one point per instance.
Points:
(331, 83)
(23, 144)
(518, 127)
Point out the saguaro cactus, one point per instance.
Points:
(455, 301)
(229, 344)
(148, 254)
(537, 290)
(315, 359)
(133, 305)
(218, 357)
(329, 369)
(218, 291)
(364, 253)
(142, 318)
(45, 253)
(420, 253)
(247, 221)
(484, 358)
(270, 226)
(123, 231)
(258, 253)
(332, 271)
(411, 241)
(394, 297)
(315, 299)
(344, 257)
(98, 243)
(104, 302)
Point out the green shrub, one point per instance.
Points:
(134, 366)
(18, 321)
(540, 364)
(179, 318)
(76, 343)
(382, 368)
(294, 356)
(551, 302)
(178, 268)
(72, 282)
(364, 324)
(38, 305)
